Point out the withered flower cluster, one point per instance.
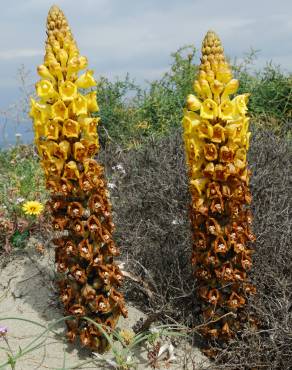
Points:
(66, 139)
(216, 141)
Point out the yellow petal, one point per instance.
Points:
(71, 171)
(206, 90)
(53, 129)
(59, 111)
(86, 80)
(71, 128)
(62, 150)
(45, 89)
(45, 73)
(241, 103)
(89, 126)
(79, 151)
(63, 57)
(218, 133)
(226, 110)
(79, 105)
(205, 130)
(209, 109)
(92, 102)
(199, 184)
(230, 88)
(193, 103)
(67, 91)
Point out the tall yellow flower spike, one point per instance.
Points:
(67, 140)
(216, 142)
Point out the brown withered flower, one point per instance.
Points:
(79, 274)
(235, 301)
(77, 310)
(213, 296)
(85, 250)
(60, 223)
(65, 187)
(220, 245)
(210, 152)
(88, 292)
(102, 304)
(75, 210)
(213, 227)
(226, 154)
(78, 227)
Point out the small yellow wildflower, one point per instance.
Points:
(32, 207)
(127, 335)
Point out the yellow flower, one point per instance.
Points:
(209, 109)
(86, 80)
(59, 111)
(53, 167)
(38, 111)
(45, 89)
(75, 64)
(71, 128)
(197, 88)
(190, 121)
(47, 148)
(71, 171)
(199, 184)
(52, 131)
(92, 102)
(226, 110)
(39, 129)
(240, 103)
(45, 73)
(79, 151)
(205, 87)
(33, 208)
(217, 88)
(63, 57)
(79, 105)
(218, 133)
(205, 130)
(68, 91)
(230, 88)
(224, 74)
(62, 150)
(56, 69)
(89, 126)
(193, 103)
(194, 148)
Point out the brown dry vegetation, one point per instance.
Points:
(151, 214)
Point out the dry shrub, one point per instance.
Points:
(151, 215)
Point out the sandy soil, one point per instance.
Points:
(27, 293)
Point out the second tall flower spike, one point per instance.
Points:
(216, 140)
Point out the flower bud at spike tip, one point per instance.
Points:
(67, 140)
(216, 141)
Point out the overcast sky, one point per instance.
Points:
(137, 36)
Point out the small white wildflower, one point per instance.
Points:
(174, 222)
(119, 167)
(111, 185)
(154, 330)
(19, 200)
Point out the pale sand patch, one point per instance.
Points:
(27, 292)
